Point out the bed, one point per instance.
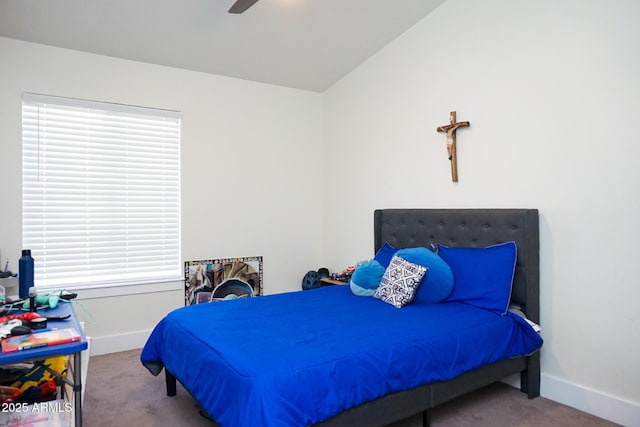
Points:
(326, 357)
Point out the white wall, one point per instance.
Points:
(552, 92)
(249, 185)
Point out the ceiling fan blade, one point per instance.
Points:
(241, 5)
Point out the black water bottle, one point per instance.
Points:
(25, 273)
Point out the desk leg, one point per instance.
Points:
(77, 388)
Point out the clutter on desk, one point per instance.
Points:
(37, 339)
(315, 279)
(9, 324)
(23, 318)
(35, 301)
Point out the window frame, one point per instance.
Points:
(167, 279)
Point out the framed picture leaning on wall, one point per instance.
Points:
(222, 279)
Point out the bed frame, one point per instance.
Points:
(459, 227)
(454, 227)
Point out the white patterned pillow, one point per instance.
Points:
(400, 282)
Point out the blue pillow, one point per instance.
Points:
(384, 254)
(436, 285)
(483, 276)
(366, 278)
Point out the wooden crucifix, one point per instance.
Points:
(451, 129)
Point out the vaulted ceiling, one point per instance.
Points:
(304, 44)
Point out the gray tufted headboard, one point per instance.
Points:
(475, 228)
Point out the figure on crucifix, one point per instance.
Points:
(450, 130)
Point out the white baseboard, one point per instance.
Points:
(587, 400)
(116, 343)
(594, 402)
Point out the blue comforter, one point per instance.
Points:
(299, 358)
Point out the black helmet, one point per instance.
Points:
(323, 272)
(311, 280)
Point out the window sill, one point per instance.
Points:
(106, 291)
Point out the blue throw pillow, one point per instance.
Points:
(436, 285)
(483, 276)
(384, 254)
(365, 280)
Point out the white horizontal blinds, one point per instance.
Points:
(101, 192)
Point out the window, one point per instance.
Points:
(100, 192)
